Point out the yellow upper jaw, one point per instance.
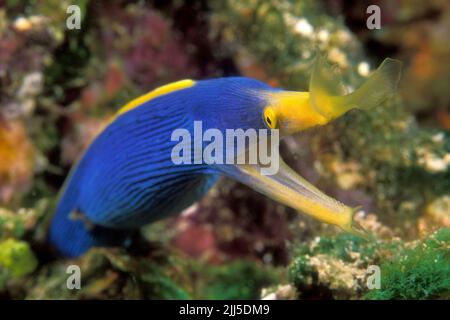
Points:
(294, 111)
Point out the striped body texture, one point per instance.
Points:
(126, 178)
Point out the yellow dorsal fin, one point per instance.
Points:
(168, 88)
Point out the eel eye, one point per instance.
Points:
(270, 118)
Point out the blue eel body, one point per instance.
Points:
(126, 177)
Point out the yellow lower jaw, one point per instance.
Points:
(341, 216)
(338, 214)
(289, 188)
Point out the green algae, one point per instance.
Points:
(421, 272)
(336, 268)
(16, 260)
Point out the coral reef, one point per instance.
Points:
(58, 87)
(338, 268)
